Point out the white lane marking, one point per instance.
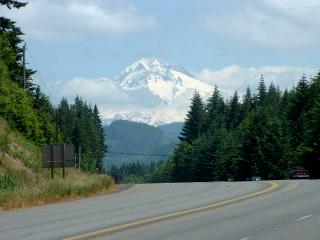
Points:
(302, 218)
(246, 238)
(276, 228)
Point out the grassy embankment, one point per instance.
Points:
(24, 183)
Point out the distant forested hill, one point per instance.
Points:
(172, 130)
(132, 141)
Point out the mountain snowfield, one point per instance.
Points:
(162, 79)
(160, 91)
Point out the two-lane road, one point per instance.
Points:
(221, 210)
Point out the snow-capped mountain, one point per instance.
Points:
(157, 92)
(167, 81)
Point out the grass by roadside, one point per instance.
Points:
(18, 190)
(24, 183)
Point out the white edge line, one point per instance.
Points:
(302, 218)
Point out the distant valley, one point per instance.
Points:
(130, 141)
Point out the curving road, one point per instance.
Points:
(220, 210)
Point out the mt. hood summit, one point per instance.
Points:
(157, 92)
(167, 81)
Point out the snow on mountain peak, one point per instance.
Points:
(151, 63)
(154, 92)
(167, 81)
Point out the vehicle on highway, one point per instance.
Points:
(255, 178)
(300, 173)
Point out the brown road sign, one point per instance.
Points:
(58, 156)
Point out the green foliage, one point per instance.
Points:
(215, 112)
(137, 172)
(80, 124)
(183, 167)
(12, 179)
(262, 92)
(11, 38)
(17, 107)
(24, 182)
(134, 137)
(263, 135)
(17, 146)
(204, 157)
(27, 109)
(134, 172)
(4, 136)
(261, 145)
(132, 141)
(12, 3)
(7, 181)
(247, 104)
(171, 131)
(233, 112)
(16, 189)
(193, 125)
(161, 173)
(27, 120)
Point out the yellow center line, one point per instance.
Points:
(273, 186)
(296, 184)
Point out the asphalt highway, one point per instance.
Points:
(220, 210)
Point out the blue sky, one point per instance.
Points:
(229, 43)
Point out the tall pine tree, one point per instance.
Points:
(192, 125)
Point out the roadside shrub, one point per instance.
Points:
(7, 181)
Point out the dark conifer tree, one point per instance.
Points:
(100, 141)
(216, 110)
(247, 104)
(12, 34)
(312, 131)
(234, 112)
(183, 163)
(299, 104)
(262, 91)
(192, 125)
(65, 118)
(273, 98)
(81, 125)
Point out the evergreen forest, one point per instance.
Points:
(131, 142)
(267, 133)
(30, 111)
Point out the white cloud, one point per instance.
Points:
(104, 92)
(69, 20)
(232, 78)
(114, 101)
(101, 91)
(268, 23)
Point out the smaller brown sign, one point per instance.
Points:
(58, 156)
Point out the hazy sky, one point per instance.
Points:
(225, 42)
